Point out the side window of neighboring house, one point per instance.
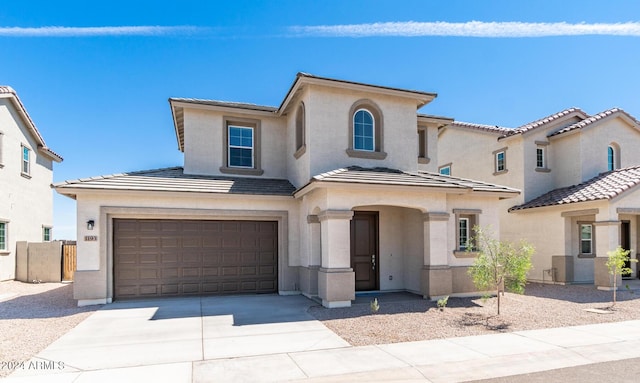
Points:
(541, 157)
(241, 152)
(500, 161)
(26, 160)
(1, 148)
(300, 131)
(445, 170)
(586, 239)
(466, 220)
(4, 236)
(366, 131)
(46, 234)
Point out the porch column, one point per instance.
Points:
(336, 279)
(607, 238)
(309, 274)
(436, 278)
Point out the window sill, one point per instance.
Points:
(241, 171)
(300, 152)
(4, 252)
(543, 170)
(465, 254)
(367, 155)
(25, 175)
(424, 160)
(586, 255)
(500, 172)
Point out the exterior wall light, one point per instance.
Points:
(90, 224)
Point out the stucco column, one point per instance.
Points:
(309, 273)
(436, 278)
(607, 238)
(336, 279)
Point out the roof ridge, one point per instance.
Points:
(473, 125)
(594, 118)
(548, 119)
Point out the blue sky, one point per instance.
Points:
(95, 76)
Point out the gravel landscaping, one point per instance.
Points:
(32, 316)
(405, 317)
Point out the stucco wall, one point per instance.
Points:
(203, 142)
(26, 203)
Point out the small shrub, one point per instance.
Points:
(442, 302)
(375, 306)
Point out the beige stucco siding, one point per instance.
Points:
(328, 117)
(27, 202)
(204, 142)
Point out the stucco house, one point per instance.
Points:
(334, 191)
(26, 174)
(578, 175)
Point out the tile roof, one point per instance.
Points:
(229, 104)
(385, 176)
(174, 180)
(487, 128)
(548, 119)
(592, 119)
(42, 146)
(602, 187)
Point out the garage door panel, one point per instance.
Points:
(188, 257)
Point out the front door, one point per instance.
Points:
(625, 242)
(364, 250)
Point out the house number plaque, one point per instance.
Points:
(90, 238)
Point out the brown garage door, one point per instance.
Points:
(154, 258)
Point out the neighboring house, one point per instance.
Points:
(334, 191)
(577, 173)
(26, 174)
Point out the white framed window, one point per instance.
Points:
(466, 221)
(26, 160)
(445, 170)
(364, 131)
(241, 146)
(46, 234)
(4, 236)
(540, 157)
(586, 238)
(500, 162)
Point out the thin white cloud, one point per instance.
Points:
(468, 29)
(57, 31)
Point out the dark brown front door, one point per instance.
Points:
(364, 249)
(625, 242)
(157, 258)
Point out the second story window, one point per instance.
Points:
(1, 147)
(240, 146)
(363, 131)
(300, 132)
(445, 170)
(423, 148)
(539, 157)
(500, 161)
(613, 157)
(366, 131)
(46, 234)
(26, 160)
(542, 164)
(3, 236)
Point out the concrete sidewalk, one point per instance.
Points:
(274, 339)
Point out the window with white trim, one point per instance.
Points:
(364, 131)
(445, 170)
(466, 221)
(4, 236)
(46, 233)
(26, 160)
(540, 157)
(612, 158)
(500, 162)
(586, 238)
(240, 146)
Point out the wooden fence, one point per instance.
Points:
(68, 260)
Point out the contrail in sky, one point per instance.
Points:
(57, 31)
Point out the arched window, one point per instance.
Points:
(363, 130)
(613, 157)
(300, 132)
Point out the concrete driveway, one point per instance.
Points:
(162, 338)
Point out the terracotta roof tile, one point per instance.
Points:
(604, 186)
(487, 128)
(174, 180)
(548, 119)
